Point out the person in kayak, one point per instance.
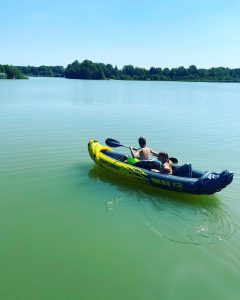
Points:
(166, 163)
(144, 152)
(164, 167)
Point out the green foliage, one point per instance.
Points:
(90, 70)
(10, 72)
(86, 70)
(48, 71)
(3, 75)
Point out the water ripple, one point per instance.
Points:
(180, 218)
(188, 224)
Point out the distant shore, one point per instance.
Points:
(11, 72)
(100, 71)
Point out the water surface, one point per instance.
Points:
(70, 231)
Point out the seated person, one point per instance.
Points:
(152, 165)
(166, 166)
(143, 152)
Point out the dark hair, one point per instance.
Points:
(164, 155)
(142, 141)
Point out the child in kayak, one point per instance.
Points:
(164, 167)
(166, 163)
(143, 152)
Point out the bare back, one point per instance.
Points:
(143, 153)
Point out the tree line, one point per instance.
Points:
(10, 72)
(43, 71)
(90, 70)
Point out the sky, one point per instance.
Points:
(143, 33)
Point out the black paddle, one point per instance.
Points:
(114, 143)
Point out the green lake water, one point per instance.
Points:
(70, 231)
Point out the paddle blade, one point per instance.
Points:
(174, 160)
(112, 143)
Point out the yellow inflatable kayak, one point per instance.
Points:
(198, 183)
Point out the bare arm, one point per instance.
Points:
(134, 155)
(153, 153)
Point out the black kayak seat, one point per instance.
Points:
(183, 171)
(148, 164)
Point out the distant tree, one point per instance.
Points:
(153, 71)
(109, 71)
(116, 73)
(140, 74)
(173, 74)
(235, 74)
(181, 73)
(166, 74)
(155, 77)
(13, 72)
(128, 70)
(98, 73)
(193, 72)
(202, 73)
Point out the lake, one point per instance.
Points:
(70, 231)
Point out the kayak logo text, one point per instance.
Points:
(176, 185)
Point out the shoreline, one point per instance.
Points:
(142, 80)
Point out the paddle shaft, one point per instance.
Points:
(128, 147)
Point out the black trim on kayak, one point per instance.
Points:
(115, 155)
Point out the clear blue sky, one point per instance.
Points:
(144, 33)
